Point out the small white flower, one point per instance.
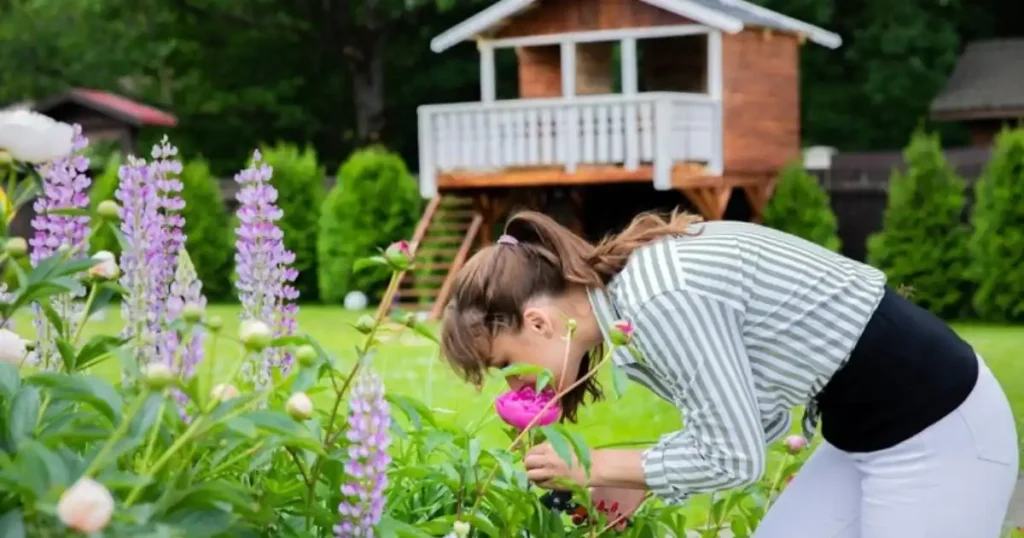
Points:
(34, 138)
(254, 334)
(107, 268)
(299, 406)
(461, 529)
(12, 347)
(86, 506)
(224, 392)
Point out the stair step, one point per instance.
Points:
(416, 292)
(418, 280)
(426, 251)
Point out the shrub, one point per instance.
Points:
(800, 206)
(923, 242)
(997, 243)
(375, 202)
(209, 238)
(299, 181)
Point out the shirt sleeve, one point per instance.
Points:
(695, 344)
(777, 426)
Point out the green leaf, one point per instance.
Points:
(84, 388)
(417, 411)
(543, 380)
(69, 211)
(10, 380)
(523, 369)
(23, 415)
(12, 525)
(580, 446)
(294, 340)
(67, 354)
(97, 348)
(242, 426)
(363, 263)
(52, 316)
(619, 381)
(559, 442)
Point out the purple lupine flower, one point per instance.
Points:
(185, 289)
(368, 423)
(164, 169)
(264, 267)
(64, 187)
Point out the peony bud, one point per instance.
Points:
(224, 392)
(12, 348)
(398, 255)
(157, 375)
(254, 334)
(106, 268)
(365, 323)
(193, 313)
(621, 332)
(16, 247)
(299, 406)
(215, 323)
(109, 210)
(86, 506)
(461, 529)
(307, 355)
(571, 324)
(795, 443)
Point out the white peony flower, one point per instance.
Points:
(299, 406)
(461, 529)
(224, 392)
(86, 506)
(12, 348)
(34, 138)
(107, 268)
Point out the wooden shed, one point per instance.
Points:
(691, 100)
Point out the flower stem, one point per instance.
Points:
(180, 442)
(777, 480)
(152, 434)
(118, 433)
(85, 313)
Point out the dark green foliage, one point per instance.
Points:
(299, 181)
(104, 186)
(800, 206)
(997, 244)
(210, 240)
(375, 202)
(923, 243)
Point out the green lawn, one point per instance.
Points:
(410, 366)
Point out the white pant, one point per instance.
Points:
(952, 480)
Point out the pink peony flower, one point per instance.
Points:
(518, 407)
(795, 443)
(621, 332)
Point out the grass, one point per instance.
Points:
(410, 366)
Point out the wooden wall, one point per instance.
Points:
(761, 100)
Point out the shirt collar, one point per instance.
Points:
(605, 313)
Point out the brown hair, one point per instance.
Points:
(490, 291)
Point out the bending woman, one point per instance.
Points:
(737, 324)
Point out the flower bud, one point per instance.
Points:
(461, 529)
(157, 375)
(193, 312)
(571, 324)
(215, 323)
(365, 323)
(621, 332)
(398, 255)
(12, 347)
(106, 266)
(306, 354)
(224, 392)
(795, 444)
(86, 506)
(16, 247)
(108, 209)
(299, 406)
(254, 334)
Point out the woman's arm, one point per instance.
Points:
(695, 343)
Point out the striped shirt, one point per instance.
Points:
(735, 326)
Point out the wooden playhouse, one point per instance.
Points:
(689, 102)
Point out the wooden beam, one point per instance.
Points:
(544, 176)
(710, 201)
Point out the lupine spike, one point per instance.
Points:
(368, 432)
(264, 267)
(65, 186)
(185, 289)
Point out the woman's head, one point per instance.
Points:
(512, 301)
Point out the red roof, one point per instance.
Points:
(115, 105)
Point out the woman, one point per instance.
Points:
(736, 324)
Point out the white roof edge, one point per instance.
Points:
(494, 13)
(819, 35)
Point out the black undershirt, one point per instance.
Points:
(908, 371)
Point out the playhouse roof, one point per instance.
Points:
(987, 83)
(726, 15)
(118, 107)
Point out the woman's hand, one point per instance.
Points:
(618, 503)
(544, 467)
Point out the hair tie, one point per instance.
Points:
(506, 239)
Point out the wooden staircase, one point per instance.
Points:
(447, 234)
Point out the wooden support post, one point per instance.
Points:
(758, 195)
(710, 201)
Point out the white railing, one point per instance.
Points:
(657, 129)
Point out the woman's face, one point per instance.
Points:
(542, 342)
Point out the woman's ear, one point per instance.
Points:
(538, 321)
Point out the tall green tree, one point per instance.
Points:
(997, 244)
(800, 206)
(923, 243)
